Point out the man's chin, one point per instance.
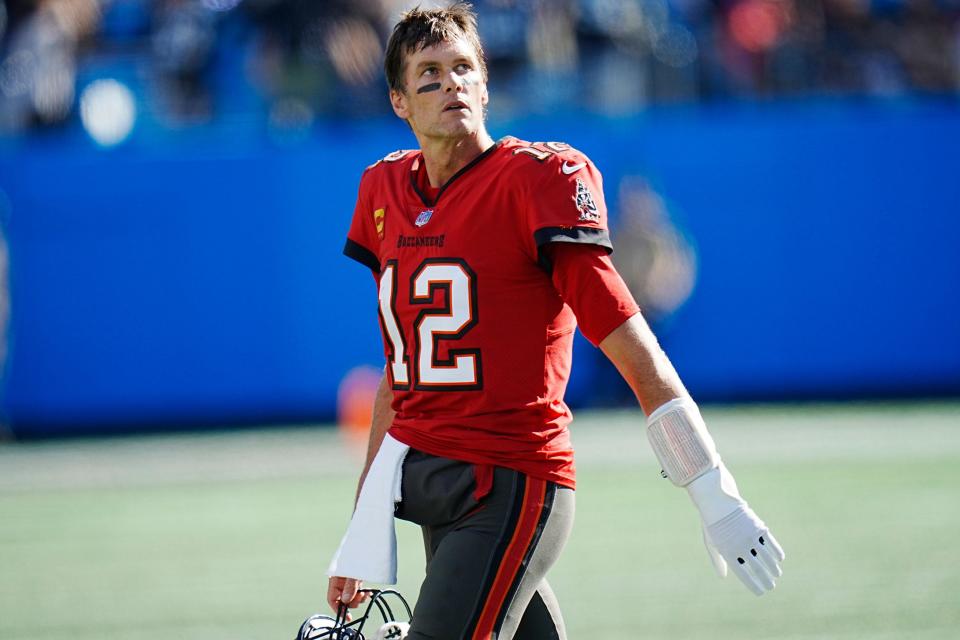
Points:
(458, 129)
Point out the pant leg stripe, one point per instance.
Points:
(512, 563)
(517, 490)
(547, 502)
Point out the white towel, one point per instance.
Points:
(368, 550)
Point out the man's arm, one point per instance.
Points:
(341, 589)
(635, 352)
(733, 533)
(609, 318)
(383, 415)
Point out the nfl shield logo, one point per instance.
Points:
(424, 217)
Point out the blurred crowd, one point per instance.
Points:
(289, 63)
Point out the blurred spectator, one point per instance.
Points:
(39, 68)
(307, 60)
(657, 262)
(183, 36)
(654, 257)
(320, 56)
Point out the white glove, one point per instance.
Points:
(733, 534)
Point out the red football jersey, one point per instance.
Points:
(478, 342)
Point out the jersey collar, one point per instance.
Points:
(415, 169)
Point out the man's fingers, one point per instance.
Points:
(747, 578)
(748, 548)
(719, 564)
(351, 594)
(348, 591)
(334, 590)
(345, 592)
(765, 557)
(358, 598)
(762, 574)
(716, 559)
(755, 573)
(769, 542)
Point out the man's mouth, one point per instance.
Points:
(456, 106)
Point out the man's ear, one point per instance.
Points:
(398, 100)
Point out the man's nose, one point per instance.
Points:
(453, 82)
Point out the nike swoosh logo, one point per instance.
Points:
(568, 168)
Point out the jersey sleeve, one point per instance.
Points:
(586, 279)
(566, 203)
(366, 229)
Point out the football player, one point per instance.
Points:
(487, 254)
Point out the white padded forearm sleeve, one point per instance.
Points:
(681, 442)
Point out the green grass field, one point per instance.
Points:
(228, 535)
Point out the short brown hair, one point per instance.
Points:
(420, 28)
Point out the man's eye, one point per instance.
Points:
(463, 67)
(429, 71)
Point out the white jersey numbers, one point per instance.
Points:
(388, 319)
(445, 288)
(543, 150)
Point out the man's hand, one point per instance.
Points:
(742, 541)
(346, 591)
(734, 536)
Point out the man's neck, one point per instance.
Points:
(443, 157)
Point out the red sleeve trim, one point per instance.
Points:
(586, 279)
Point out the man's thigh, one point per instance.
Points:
(484, 568)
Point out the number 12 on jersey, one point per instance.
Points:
(447, 317)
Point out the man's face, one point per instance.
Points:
(444, 91)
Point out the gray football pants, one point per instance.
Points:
(486, 560)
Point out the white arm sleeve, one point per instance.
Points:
(681, 442)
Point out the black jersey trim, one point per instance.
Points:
(362, 255)
(575, 235)
(426, 201)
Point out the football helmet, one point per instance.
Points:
(323, 627)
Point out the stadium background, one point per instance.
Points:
(176, 179)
